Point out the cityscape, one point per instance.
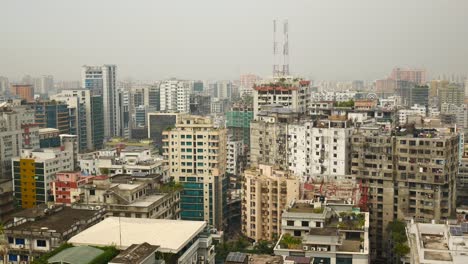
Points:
(236, 146)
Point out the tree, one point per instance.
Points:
(4, 245)
(263, 247)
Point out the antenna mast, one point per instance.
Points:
(285, 70)
(276, 70)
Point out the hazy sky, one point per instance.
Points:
(217, 39)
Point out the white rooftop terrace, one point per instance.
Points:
(170, 235)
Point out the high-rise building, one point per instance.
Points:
(33, 171)
(247, 82)
(23, 91)
(101, 80)
(200, 104)
(53, 114)
(417, 76)
(17, 131)
(385, 87)
(4, 84)
(410, 172)
(175, 96)
(288, 92)
(451, 94)
(44, 84)
(80, 99)
(97, 123)
(266, 192)
(268, 138)
(154, 97)
(157, 124)
(195, 155)
(238, 120)
(320, 149)
(198, 86)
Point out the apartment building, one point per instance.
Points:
(238, 120)
(33, 171)
(289, 92)
(409, 172)
(39, 230)
(320, 149)
(65, 187)
(415, 110)
(436, 243)
(129, 160)
(175, 96)
(17, 131)
(236, 158)
(267, 190)
(195, 156)
(268, 137)
(133, 197)
(330, 232)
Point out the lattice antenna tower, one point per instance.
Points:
(276, 59)
(285, 70)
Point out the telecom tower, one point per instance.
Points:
(281, 63)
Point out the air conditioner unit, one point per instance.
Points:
(201, 258)
(305, 247)
(324, 249)
(319, 249)
(21, 246)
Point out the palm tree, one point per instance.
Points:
(4, 245)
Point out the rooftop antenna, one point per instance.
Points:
(276, 70)
(285, 70)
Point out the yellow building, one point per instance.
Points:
(266, 192)
(33, 172)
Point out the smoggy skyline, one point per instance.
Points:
(208, 39)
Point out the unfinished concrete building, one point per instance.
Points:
(268, 137)
(407, 172)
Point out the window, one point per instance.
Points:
(297, 232)
(92, 192)
(305, 223)
(290, 223)
(19, 241)
(41, 243)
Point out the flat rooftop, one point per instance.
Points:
(136, 253)
(262, 259)
(147, 200)
(170, 235)
(59, 221)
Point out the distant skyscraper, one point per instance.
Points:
(44, 84)
(198, 86)
(417, 76)
(4, 84)
(247, 82)
(175, 96)
(52, 114)
(101, 80)
(23, 91)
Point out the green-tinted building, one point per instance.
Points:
(238, 121)
(97, 117)
(52, 114)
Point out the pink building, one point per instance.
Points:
(413, 75)
(65, 188)
(247, 82)
(385, 86)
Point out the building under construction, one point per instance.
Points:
(404, 173)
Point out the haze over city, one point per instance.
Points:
(207, 39)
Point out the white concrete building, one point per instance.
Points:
(436, 243)
(460, 112)
(101, 80)
(127, 161)
(327, 233)
(415, 110)
(319, 149)
(287, 91)
(235, 154)
(175, 96)
(189, 240)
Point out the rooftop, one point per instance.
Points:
(262, 259)
(170, 235)
(59, 221)
(136, 253)
(76, 255)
